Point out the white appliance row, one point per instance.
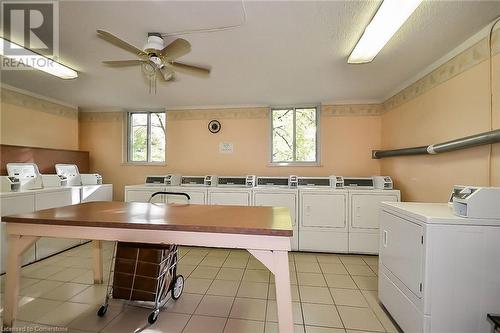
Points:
(439, 272)
(325, 216)
(45, 193)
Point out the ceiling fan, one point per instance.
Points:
(156, 56)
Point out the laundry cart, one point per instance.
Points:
(144, 274)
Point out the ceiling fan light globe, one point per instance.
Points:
(154, 44)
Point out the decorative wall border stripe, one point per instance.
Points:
(30, 102)
(469, 58)
(245, 113)
(351, 110)
(100, 116)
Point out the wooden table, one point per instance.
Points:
(264, 231)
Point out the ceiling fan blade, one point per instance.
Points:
(109, 37)
(166, 73)
(120, 63)
(190, 69)
(176, 49)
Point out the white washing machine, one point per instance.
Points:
(365, 196)
(323, 215)
(232, 190)
(143, 192)
(276, 191)
(194, 186)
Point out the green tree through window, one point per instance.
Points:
(294, 135)
(146, 137)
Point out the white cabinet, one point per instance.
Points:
(438, 273)
(53, 198)
(222, 196)
(281, 198)
(15, 203)
(323, 220)
(364, 222)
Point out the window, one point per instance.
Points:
(146, 137)
(294, 136)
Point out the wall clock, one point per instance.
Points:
(214, 126)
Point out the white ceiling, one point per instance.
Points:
(286, 53)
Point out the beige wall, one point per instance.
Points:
(346, 145)
(453, 109)
(30, 121)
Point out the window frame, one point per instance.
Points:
(128, 139)
(317, 162)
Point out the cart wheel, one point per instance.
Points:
(153, 316)
(102, 310)
(178, 287)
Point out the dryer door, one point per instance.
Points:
(323, 210)
(365, 209)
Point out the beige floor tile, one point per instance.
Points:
(212, 261)
(239, 254)
(320, 295)
(94, 294)
(328, 258)
(40, 288)
(88, 277)
(64, 314)
(363, 270)
(366, 282)
(190, 260)
(218, 253)
(294, 288)
(235, 262)
(25, 282)
(321, 315)
(187, 303)
(198, 324)
(340, 281)
(168, 323)
(42, 272)
(65, 291)
(311, 279)
(131, 319)
(370, 260)
(253, 290)
(205, 272)
(215, 306)
(197, 286)
(385, 320)
(304, 256)
(185, 270)
(333, 268)
(352, 259)
(271, 314)
(318, 329)
(307, 267)
(249, 308)
(360, 319)
(199, 251)
(272, 327)
(36, 308)
(255, 264)
(223, 288)
(244, 326)
(256, 275)
(233, 274)
(90, 321)
(349, 297)
(68, 274)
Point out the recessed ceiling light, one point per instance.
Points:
(389, 18)
(27, 57)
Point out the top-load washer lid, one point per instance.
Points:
(193, 181)
(361, 183)
(71, 172)
(28, 174)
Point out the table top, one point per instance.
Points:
(272, 221)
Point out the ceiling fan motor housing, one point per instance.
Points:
(154, 44)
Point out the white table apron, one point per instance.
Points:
(272, 251)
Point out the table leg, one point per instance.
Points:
(17, 245)
(277, 263)
(97, 261)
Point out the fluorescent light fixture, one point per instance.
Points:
(28, 58)
(389, 18)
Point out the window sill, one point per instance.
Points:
(294, 164)
(152, 164)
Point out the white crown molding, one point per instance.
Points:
(35, 95)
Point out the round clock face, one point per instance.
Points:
(214, 126)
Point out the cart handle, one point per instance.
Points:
(170, 193)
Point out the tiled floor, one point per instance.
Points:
(225, 291)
